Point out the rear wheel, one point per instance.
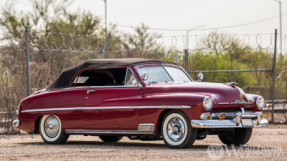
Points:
(239, 136)
(51, 130)
(111, 138)
(177, 131)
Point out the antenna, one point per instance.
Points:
(102, 56)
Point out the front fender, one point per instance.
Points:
(163, 102)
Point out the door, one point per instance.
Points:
(113, 107)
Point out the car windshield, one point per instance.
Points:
(177, 74)
(163, 74)
(155, 74)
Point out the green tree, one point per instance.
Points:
(141, 42)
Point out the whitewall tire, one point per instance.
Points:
(51, 130)
(177, 131)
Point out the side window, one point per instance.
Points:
(130, 78)
(101, 77)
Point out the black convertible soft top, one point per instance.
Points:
(64, 79)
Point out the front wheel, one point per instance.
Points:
(51, 130)
(239, 136)
(177, 131)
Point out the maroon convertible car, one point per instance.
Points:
(142, 99)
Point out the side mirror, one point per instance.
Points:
(144, 77)
(200, 77)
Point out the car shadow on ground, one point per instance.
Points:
(118, 145)
(133, 145)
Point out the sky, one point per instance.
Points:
(186, 14)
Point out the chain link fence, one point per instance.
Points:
(245, 59)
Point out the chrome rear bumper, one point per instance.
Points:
(226, 123)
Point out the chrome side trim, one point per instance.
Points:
(146, 127)
(53, 109)
(85, 131)
(107, 108)
(235, 103)
(104, 108)
(165, 106)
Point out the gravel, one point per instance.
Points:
(265, 144)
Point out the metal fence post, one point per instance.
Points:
(274, 74)
(27, 60)
(105, 48)
(186, 59)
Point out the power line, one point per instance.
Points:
(245, 24)
(233, 26)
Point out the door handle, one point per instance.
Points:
(89, 91)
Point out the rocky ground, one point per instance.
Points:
(265, 144)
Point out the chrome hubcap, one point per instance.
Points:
(175, 129)
(52, 126)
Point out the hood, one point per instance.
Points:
(221, 92)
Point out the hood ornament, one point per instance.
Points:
(231, 84)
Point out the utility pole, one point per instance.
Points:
(105, 17)
(280, 23)
(274, 75)
(27, 60)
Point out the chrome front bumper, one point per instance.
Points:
(16, 123)
(225, 123)
(255, 117)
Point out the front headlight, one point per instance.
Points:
(260, 103)
(207, 103)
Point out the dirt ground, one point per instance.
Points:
(265, 144)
